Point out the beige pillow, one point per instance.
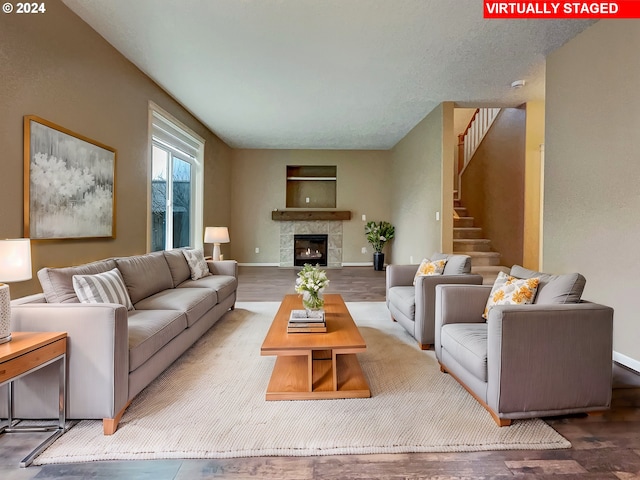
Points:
(428, 268)
(508, 290)
(197, 264)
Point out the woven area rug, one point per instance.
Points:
(210, 404)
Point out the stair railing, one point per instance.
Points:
(469, 140)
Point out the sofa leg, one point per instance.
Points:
(393, 318)
(233, 307)
(424, 346)
(502, 422)
(442, 369)
(110, 425)
(597, 413)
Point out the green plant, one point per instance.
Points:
(378, 234)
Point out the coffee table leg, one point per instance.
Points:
(310, 371)
(334, 368)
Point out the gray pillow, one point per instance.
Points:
(456, 264)
(145, 275)
(57, 283)
(178, 266)
(553, 289)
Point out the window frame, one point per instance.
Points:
(170, 134)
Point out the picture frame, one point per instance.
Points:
(69, 184)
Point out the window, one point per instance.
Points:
(176, 184)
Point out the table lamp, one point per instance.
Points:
(15, 266)
(216, 235)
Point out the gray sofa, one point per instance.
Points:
(413, 306)
(113, 354)
(552, 357)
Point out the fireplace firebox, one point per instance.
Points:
(310, 249)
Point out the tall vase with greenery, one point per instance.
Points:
(378, 234)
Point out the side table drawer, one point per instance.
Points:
(19, 365)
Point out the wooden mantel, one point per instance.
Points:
(302, 215)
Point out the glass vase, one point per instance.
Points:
(312, 301)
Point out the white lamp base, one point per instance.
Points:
(216, 252)
(5, 314)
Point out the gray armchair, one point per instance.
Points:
(413, 306)
(544, 359)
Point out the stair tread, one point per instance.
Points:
(490, 268)
(465, 242)
(489, 272)
(479, 254)
(471, 240)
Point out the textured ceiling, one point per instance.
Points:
(334, 74)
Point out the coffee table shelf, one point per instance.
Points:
(314, 366)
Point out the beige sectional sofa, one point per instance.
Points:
(113, 353)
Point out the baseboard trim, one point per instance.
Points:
(267, 264)
(626, 361)
(258, 264)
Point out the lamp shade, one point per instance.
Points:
(216, 235)
(15, 260)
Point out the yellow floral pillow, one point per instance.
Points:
(427, 267)
(508, 290)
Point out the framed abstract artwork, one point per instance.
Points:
(69, 184)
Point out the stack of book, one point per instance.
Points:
(302, 322)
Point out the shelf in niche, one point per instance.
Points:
(307, 215)
(313, 179)
(311, 186)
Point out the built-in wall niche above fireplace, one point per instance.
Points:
(311, 186)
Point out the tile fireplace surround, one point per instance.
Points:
(333, 230)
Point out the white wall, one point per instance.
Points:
(592, 171)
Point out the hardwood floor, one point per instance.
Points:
(603, 447)
(268, 284)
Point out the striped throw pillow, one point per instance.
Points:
(107, 287)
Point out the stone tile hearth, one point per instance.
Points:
(333, 229)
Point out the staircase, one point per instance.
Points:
(468, 240)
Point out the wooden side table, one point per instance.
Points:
(24, 354)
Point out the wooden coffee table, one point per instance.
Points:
(313, 366)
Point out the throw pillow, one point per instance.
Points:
(428, 268)
(57, 283)
(554, 289)
(508, 290)
(197, 263)
(106, 287)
